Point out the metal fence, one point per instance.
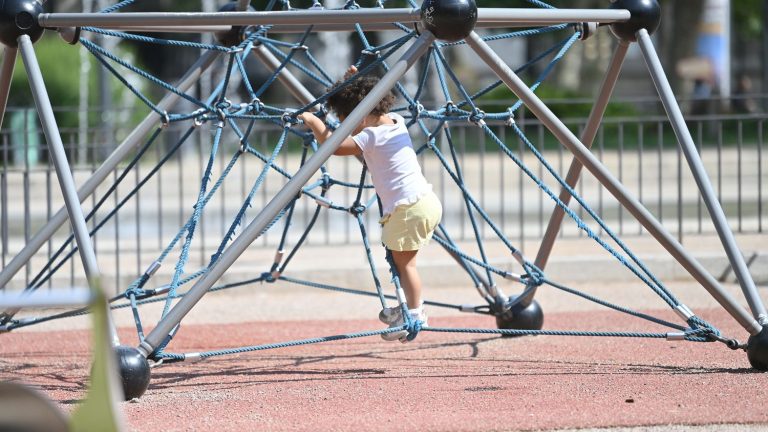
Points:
(641, 151)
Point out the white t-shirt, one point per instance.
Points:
(392, 162)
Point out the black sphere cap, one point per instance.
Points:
(19, 17)
(646, 14)
(134, 371)
(234, 35)
(757, 350)
(521, 317)
(449, 20)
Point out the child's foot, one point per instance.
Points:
(394, 317)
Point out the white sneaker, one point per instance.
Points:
(390, 315)
(394, 317)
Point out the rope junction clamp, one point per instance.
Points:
(193, 357)
(323, 202)
(165, 119)
(153, 268)
(510, 121)
(684, 312)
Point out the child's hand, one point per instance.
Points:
(351, 71)
(308, 118)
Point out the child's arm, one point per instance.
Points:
(321, 132)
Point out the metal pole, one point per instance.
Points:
(299, 28)
(104, 171)
(735, 256)
(587, 137)
(529, 16)
(285, 195)
(63, 172)
(569, 140)
(294, 86)
(6, 75)
(183, 19)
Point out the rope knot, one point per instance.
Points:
(352, 4)
(413, 326)
(375, 54)
(511, 119)
(325, 181)
(432, 143)
(289, 119)
(534, 278)
(477, 117)
(450, 108)
(136, 293)
(256, 106)
(702, 329)
(222, 115)
(357, 209)
(416, 109)
(268, 277)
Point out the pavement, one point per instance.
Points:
(457, 382)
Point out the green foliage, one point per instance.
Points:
(563, 102)
(747, 17)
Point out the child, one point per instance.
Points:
(411, 210)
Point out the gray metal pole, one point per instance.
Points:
(6, 75)
(285, 195)
(183, 19)
(102, 172)
(570, 141)
(735, 256)
(63, 172)
(587, 137)
(529, 16)
(294, 86)
(538, 16)
(299, 28)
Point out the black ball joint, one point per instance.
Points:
(134, 371)
(19, 17)
(235, 34)
(521, 316)
(757, 350)
(449, 20)
(645, 14)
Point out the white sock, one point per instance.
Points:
(417, 313)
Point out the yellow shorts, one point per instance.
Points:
(410, 226)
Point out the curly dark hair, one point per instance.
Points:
(346, 99)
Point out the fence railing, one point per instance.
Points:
(640, 151)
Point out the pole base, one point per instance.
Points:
(134, 371)
(757, 350)
(520, 317)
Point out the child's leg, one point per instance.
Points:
(405, 262)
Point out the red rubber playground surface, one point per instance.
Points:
(456, 382)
